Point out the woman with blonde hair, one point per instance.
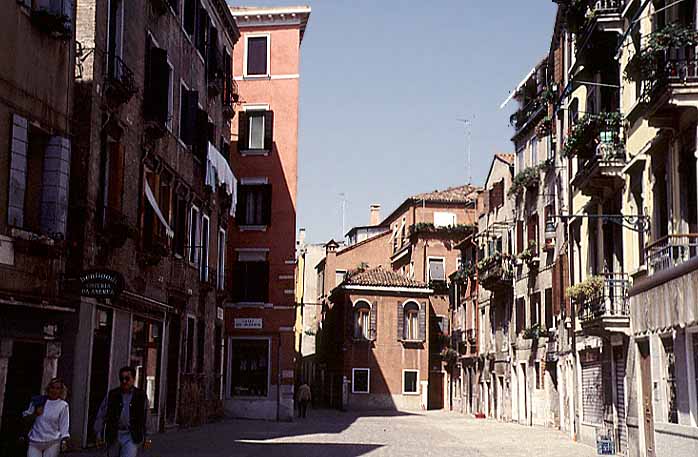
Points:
(50, 420)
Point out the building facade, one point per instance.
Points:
(153, 105)
(36, 322)
(260, 316)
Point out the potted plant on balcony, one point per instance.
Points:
(645, 65)
(534, 332)
(51, 21)
(583, 291)
(530, 255)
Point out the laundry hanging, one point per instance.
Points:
(151, 199)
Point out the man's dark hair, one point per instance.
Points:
(130, 369)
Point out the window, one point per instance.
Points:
(255, 130)
(158, 86)
(520, 159)
(497, 195)
(251, 272)
(145, 357)
(362, 320)
(411, 327)
(254, 204)
(549, 324)
(115, 32)
(360, 380)
(38, 179)
(220, 281)
(249, 375)
(339, 276)
(436, 270)
(670, 383)
(534, 151)
(189, 346)
(444, 219)
(180, 225)
(539, 375)
(188, 108)
(205, 239)
(170, 95)
(194, 236)
(257, 52)
(200, 345)
(520, 315)
(533, 233)
(112, 180)
(410, 381)
(534, 303)
(189, 17)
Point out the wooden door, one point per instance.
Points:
(646, 376)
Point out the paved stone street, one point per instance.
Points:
(336, 434)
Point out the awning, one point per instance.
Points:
(151, 199)
(218, 172)
(518, 88)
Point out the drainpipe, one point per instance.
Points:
(278, 380)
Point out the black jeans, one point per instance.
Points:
(303, 408)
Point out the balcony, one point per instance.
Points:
(531, 110)
(670, 251)
(119, 81)
(604, 304)
(595, 135)
(495, 272)
(668, 72)
(588, 18)
(601, 174)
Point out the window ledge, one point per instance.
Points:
(248, 304)
(411, 394)
(360, 393)
(256, 77)
(411, 341)
(253, 228)
(254, 152)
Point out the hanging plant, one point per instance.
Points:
(529, 253)
(529, 178)
(450, 230)
(544, 127)
(588, 128)
(645, 65)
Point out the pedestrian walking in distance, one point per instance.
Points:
(121, 420)
(48, 421)
(304, 397)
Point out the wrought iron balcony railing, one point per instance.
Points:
(670, 251)
(120, 80)
(610, 301)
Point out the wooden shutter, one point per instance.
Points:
(400, 322)
(556, 288)
(373, 317)
(264, 281)
(201, 134)
(190, 16)
(115, 188)
(423, 321)
(268, 130)
(519, 237)
(241, 202)
(18, 172)
(159, 85)
(350, 321)
(266, 204)
(68, 12)
(191, 107)
(243, 131)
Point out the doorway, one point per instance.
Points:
(648, 413)
(100, 364)
(622, 432)
(173, 351)
(25, 372)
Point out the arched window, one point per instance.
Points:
(362, 320)
(411, 326)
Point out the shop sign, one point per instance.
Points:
(248, 323)
(101, 284)
(220, 314)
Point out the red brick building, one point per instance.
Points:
(418, 242)
(260, 317)
(375, 318)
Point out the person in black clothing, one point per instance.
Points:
(122, 416)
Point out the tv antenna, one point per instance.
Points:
(343, 199)
(468, 123)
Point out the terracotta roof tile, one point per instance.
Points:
(381, 278)
(508, 158)
(459, 194)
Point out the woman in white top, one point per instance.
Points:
(49, 433)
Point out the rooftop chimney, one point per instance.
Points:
(375, 212)
(301, 237)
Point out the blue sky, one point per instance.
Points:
(382, 84)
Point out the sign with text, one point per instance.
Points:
(101, 284)
(248, 323)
